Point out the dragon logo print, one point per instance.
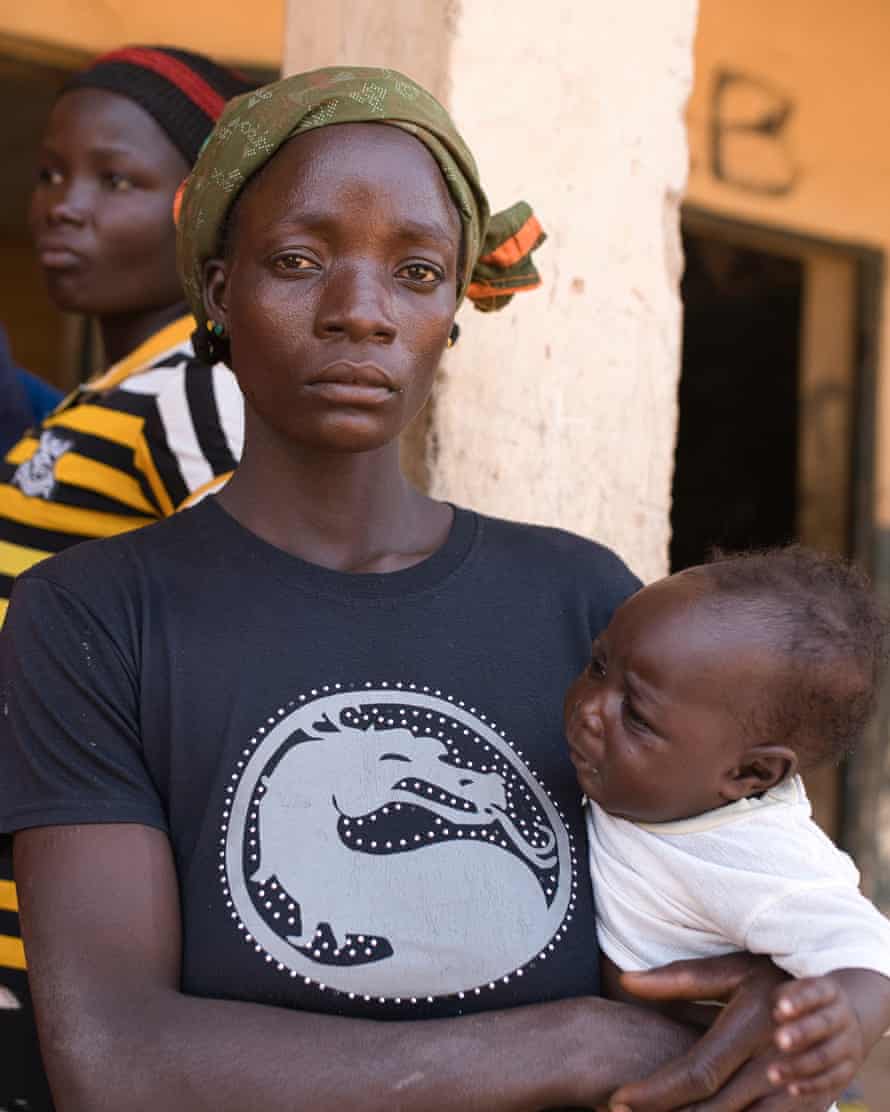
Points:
(389, 842)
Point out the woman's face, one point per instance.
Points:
(101, 212)
(339, 286)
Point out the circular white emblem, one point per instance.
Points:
(388, 842)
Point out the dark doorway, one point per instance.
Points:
(736, 475)
(776, 428)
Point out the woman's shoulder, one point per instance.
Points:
(109, 570)
(558, 550)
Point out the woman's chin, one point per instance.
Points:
(67, 294)
(341, 430)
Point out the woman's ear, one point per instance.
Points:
(216, 280)
(759, 769)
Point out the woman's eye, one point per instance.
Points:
(292, 262)
(117, 183)
(47, 176)
(425, 274)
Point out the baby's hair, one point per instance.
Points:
(820, 614)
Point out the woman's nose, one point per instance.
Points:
(69, 203)
(356, 306)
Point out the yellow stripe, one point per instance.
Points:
(161, 342)
(12, 952)
(122, 428)
(146, 465)
(4, 606)
(25, 448)
(14, 559)
(90, 474)
(9, 901)
(40, 514)
(212, 486)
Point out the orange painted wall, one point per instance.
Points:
(821, 68)
(249, 33)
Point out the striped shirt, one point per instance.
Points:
(158, 430)
(155, 431)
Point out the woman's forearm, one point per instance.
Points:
(186, 1054)
(117, 1033)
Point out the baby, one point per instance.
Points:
(706, 696)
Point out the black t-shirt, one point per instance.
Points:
(363, 777)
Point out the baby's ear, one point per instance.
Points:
(759, 769)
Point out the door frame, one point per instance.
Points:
(853, 271)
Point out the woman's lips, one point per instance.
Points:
(58, 257)
(356, 384)
(351, 393)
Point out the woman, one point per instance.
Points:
(309, 773)
(133, 444)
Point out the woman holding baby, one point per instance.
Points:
(289, 766)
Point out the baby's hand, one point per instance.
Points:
(819, 1035)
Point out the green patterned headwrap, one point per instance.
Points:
(497, 248)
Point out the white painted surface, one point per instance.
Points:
(562, 408)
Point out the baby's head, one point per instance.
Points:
(719, 682)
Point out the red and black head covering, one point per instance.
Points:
(183, 92)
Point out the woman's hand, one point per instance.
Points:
(729, 1068)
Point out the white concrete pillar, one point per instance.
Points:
(562, 408)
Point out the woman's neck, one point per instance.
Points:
(351, 512)
(123, 332)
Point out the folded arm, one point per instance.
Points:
(101, 921)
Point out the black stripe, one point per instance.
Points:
(117, 456)
(16, 980)
(6, 582)
(174, 359)
(9, 920)
(186, 124)
(164, 460)
(92, 445)
(205, 418)
(9, 924)
(34, 536)
(126, 401)
(226, 83)
(81, 498)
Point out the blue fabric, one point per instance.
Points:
(42, 397)
(24, 399)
